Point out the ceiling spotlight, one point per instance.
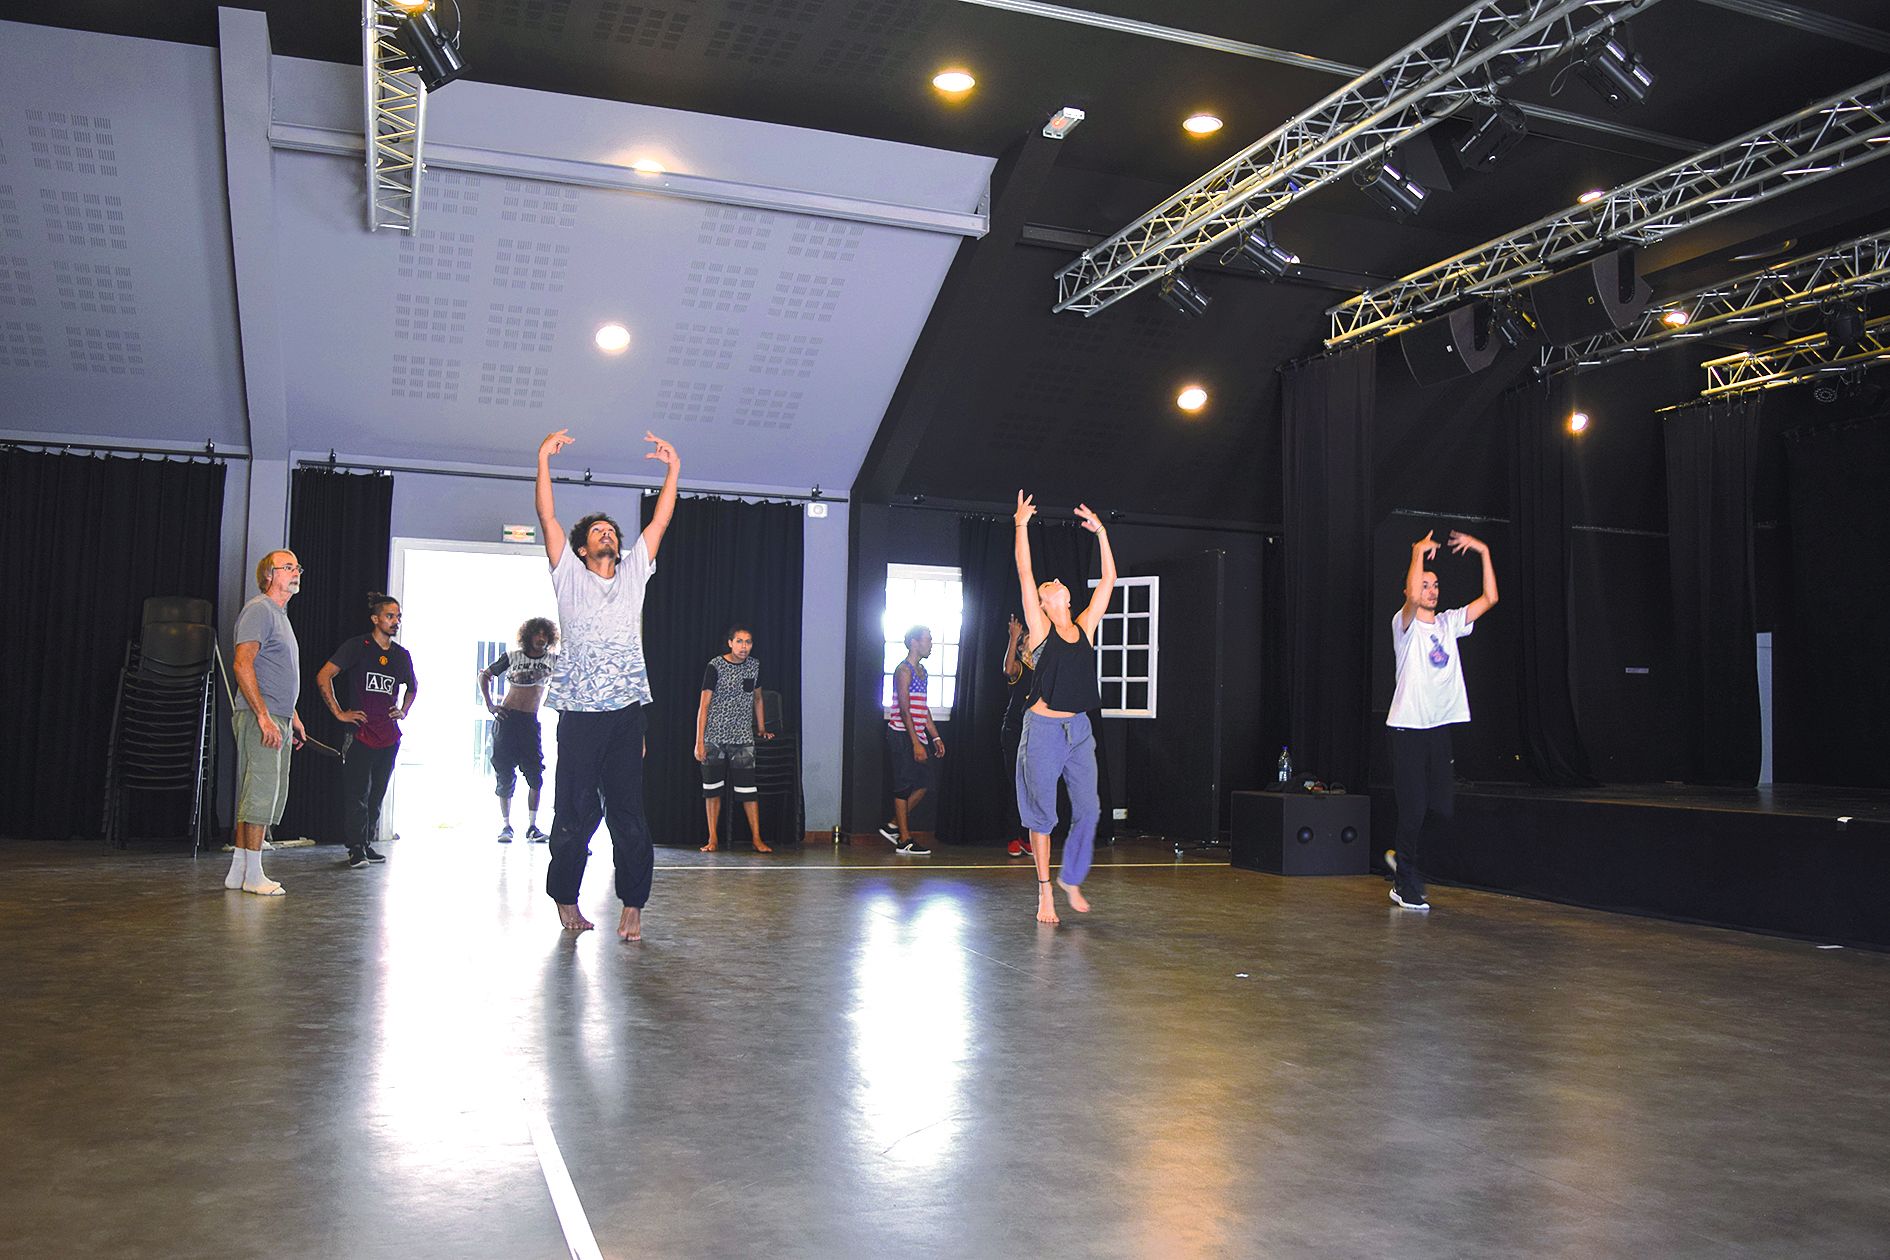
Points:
(1269, 255)
(613, 338)
(1392, 189)
(1511, 322)
(1613, 72)
(648, 166)
(1593, 194)
(1844, 324)
(953, 82)
(1201, 124)
(435, 58)
(1063, 122)
(411, 6)
(1675, 318)
(1184, 297)
(1191, 399)
(1499, 131)
(1578, 422)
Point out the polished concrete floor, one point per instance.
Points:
(852, 1054)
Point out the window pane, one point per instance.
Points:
(1137, 597)
(885, 691)
(944, 659)
(1137, 696)
(943, 690)
(1110, 631)
(1138, 628)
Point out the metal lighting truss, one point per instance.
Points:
(396, 120)
(1795, 361)
(1833, 135)
(1463, 60)
(1856, 268)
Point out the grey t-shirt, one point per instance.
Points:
(600, 664)
(278, 661)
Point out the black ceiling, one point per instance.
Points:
(1099, 392)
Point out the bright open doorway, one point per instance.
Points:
(461, 605)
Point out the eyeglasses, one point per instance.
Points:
(289, 568)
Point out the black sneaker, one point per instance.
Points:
(356, 859)
(367, 851)
(505, 834)
(535, 836)
(1416, 903)
(912, 848)
(890, 834)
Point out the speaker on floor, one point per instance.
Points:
(1599, 296)
(1320, 834)
(1451, 346)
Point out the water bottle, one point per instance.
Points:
(1286, 765)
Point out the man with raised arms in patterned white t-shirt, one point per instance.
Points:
(601, 691)
(1430, 697)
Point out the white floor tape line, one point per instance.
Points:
(564, 1198)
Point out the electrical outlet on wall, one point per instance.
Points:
(1120, 814)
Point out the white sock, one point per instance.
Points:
(254, 881)
(239, 867)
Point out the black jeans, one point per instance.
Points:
(600, 779)
(1426, 788)
(364, 776)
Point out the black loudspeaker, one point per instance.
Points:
(1452, 346)
(1599, 296)
(1325, 834)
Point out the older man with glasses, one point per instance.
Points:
(268, 673)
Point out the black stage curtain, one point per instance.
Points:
(341, 529)
(976, 787)
(722, 561)
(1711, 454)
(89, 539)
(1831, 677)
(1539, 585)
(1327, 416)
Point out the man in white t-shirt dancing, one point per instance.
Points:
(601, 690)
(1430, 696)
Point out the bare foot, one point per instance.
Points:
(573, 921)
(1078, 902)
(710, 847)
(1046, 904)
(630, 924)
(761, 847)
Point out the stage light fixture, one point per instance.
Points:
(1269, 255)
(1392, 189)
(435, 58)
(1493, 137)
(1675, 318)
(1844, 324)
(953, 82)
(1063, 122)
(1201, 124)
(1614, 73)
(613, 338)
(1512, 323)
(1191, 399)
(1578, 422)
(1183, 296)
(1593, 194)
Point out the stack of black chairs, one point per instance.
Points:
(778, 768)
(162, 725)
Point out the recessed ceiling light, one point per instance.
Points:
(648, 166)
(1201, 124)
(1191, 399)
(1593, 194)
(613, 338)
(953, 82)
(1578, 422)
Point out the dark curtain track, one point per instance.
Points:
(1537, 584)
(88, 540)
(1711, 454)
(976, 785)
(1328, 490)
(720, 562)
(1831, 675)
(341, 529)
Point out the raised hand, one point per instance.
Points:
(664, 451)
(1016, 626)
(1461, 542)
(1091, 521)
(555, 442)
(1025, 509)
(1427, 545)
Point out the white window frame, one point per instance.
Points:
(1154, 618)
(942, 634)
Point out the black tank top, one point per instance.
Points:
(1065, 679)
